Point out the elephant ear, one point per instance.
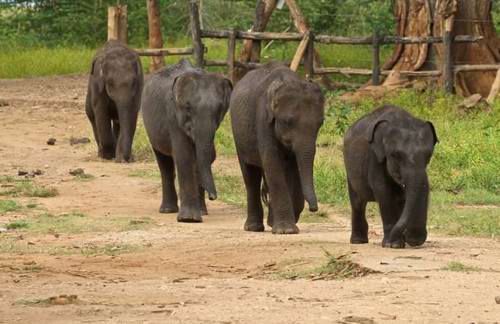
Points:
(436, 140)
(272, 99)
(228, 90)
(376, 141)
(97, 74)
(181, 87)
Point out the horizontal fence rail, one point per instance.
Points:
(164, 51)
(306, 56)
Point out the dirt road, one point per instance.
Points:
(129, 264)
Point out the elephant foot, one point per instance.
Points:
(415, 238)
(123, 160)
(203, 209)
(169, 209)
(398, 244)
(254, 227)
(106, 155)
(188, 215)
(358, 238)
(285, 228)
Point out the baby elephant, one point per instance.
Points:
(276, 117)
(182, 108)
(113, 100)
(386, 154)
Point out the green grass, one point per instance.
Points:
(456, 266)
(8, 206)
(75, 222)
(25, 188)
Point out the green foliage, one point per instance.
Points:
(8, 206)
(456, 266)
(17, 225)
(25, 188)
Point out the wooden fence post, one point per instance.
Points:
(198, 47)
(155, 36)
(376, 60)
(117, 23)
(309, 58)
(231, 53)
(448, 70)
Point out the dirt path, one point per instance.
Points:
(162, 271)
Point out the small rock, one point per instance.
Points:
(77, 171)
(3, 103)
(31, 243)
(472, 101)
(37, 172)
(497, 299)
(3, 230)
(22, 172)
(51, 141)
(78, 140)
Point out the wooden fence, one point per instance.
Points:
(305, 50)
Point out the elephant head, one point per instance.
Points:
(296, 112)
(404, 148)
(202, 101)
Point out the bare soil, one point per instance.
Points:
(212, 272)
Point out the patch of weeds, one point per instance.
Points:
(109, 249)
(8, 206)
(75, 222)
(318, 217)
(231, 189)
(26, 188)
(31, 205)
(20, 224)
(32, 268)
(146, 174)
(459, 267)
(336, 268)
(84, 177)
(32, 302)
(473, 221)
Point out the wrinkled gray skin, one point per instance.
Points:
(113, 100)
(386, 154)
(275, 118)
(182, 108)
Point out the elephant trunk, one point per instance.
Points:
(413, 220)
(305, 162)
(205, 155)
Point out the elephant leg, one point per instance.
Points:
(390, 210)
(185, 162)
(359, 225)
(280, 199)
(169, 195)
(116, 129)
(91, 117)
(104, 131)
(127, 124)
(252, 177)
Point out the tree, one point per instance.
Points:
(461, 17)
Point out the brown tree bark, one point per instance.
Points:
(251, 49)
(461, 17)
(155, 36)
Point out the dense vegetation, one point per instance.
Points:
(83, 23)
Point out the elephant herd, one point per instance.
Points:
(276, 117)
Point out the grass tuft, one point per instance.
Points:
(456, 266)
(8, 206)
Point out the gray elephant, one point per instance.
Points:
(386, 154)
(113, 100)
(275, 118)
(182, 108)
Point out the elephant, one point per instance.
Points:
(182, 108)
(276, 117)
(113, 99)
(386, 154)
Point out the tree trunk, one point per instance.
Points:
(155, 37)
(461, 17)
(251, 48)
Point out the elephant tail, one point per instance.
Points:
(264, 193)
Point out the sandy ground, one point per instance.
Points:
(212, 272)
